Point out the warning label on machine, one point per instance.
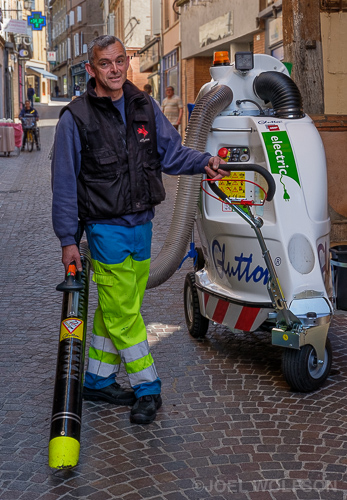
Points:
(71, 328)
(234, 185)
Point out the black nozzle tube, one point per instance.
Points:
(250, 167)
(281, 91)
(67, 401)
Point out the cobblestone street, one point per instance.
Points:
(229, 427)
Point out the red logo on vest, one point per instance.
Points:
(142, 131)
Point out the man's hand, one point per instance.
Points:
(213, 171)
(70, 253)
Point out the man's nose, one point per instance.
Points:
(114, 67)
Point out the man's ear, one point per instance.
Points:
(90, 70)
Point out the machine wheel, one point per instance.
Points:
(200, 261)
(300, 368)
(30, 141)
(196, 323)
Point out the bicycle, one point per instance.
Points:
(29, 126)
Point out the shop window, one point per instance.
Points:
(278, 52)
(77, 44)
(171, 73)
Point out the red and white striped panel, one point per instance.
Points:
(244, 318)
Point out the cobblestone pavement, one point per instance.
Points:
(229, 427)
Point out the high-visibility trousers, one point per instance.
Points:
(121, 260)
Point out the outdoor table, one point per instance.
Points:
(6, 132)
(7, 141)
(18, 132)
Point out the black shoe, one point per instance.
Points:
(145, 409)
(23, 148)
(112, 394)
(38, 147)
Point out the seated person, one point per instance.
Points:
(28, 110)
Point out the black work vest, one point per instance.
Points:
(120, 167)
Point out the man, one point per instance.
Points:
(111, 145)
(172, 107)
(29, 111)
(30, 95)
(148, 88)
(56, 89)
(77, 90)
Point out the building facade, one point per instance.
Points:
(130, 21)
(37, 71)
(23, 59)
(71, 32)
(207, 27)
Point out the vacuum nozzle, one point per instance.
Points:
(70, 284)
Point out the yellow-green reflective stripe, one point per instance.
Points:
(144, 376)
(100, 368)
(139, 364)
(134, 352)
(104, 357)
(103, 344)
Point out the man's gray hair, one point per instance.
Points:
(101, 42)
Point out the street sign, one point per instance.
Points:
(37, 21)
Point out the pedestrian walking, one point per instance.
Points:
(30, 95)
(111, 146)
(172, 107)
(56, 90)
(148, 88)
(77, 90)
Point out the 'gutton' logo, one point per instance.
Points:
(243, 268)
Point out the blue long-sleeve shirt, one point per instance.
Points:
(66, 164)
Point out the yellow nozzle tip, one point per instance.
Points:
(63, 452)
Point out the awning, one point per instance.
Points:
(43, 72)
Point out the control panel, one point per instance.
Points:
(234, 153)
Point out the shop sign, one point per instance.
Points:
(275, 31)
(24, 54)
(36, 21)
(51, 56)
(217, 29)
(15, 26)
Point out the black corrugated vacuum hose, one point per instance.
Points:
(281, 91)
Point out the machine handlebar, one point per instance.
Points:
(250, 167)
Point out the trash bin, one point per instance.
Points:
(339, 274)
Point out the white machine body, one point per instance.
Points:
(232, 287)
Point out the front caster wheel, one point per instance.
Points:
(301, 369)
(196, 323)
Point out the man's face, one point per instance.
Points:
(169, 92)
(27, 105)
(109, 69)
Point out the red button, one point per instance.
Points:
(223, 152)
